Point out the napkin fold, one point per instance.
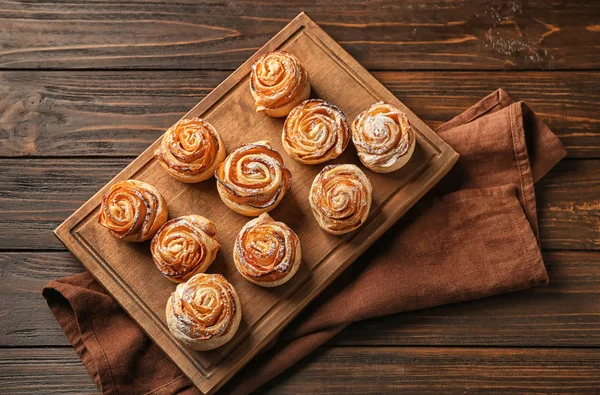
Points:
(474, 235)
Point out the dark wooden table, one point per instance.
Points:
(86, 86)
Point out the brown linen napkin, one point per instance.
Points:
(474, 236)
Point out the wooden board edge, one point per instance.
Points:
(63, 231)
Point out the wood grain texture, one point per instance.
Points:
(38, 194)
(121, 113)
(26, 319)
(44, 371)
(414, 370)
(563, 313)
(568, 197)
(408, 35)
(34, 201)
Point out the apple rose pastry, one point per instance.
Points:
(205, 312)
(278, 82)
(185, 246)
(267, 252)
(340, 198)
(190, 150)
(383, 137)
(252, 179)
(315, 132)
(133, 210)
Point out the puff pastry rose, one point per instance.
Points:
(315, 131)
(133, 210)
(278, 82)
(383, 137)
(190, 150)
(267, 252)
(340, 198)
(205, 312)
(253, 179)
(185, 246)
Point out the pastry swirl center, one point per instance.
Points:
(254, 174)
(277, 78)
(127, 209)
(315, 131)
(382, 134)
(341, 197)
(206, 307)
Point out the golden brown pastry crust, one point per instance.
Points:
(383, 137)
(185, 246)
(278, 82)
(190, 150)
(204, 313)
(315, 131)
(253, 179)
(267, 252)
(133, 210)
(340, 198)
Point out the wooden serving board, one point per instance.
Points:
(127, 271)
